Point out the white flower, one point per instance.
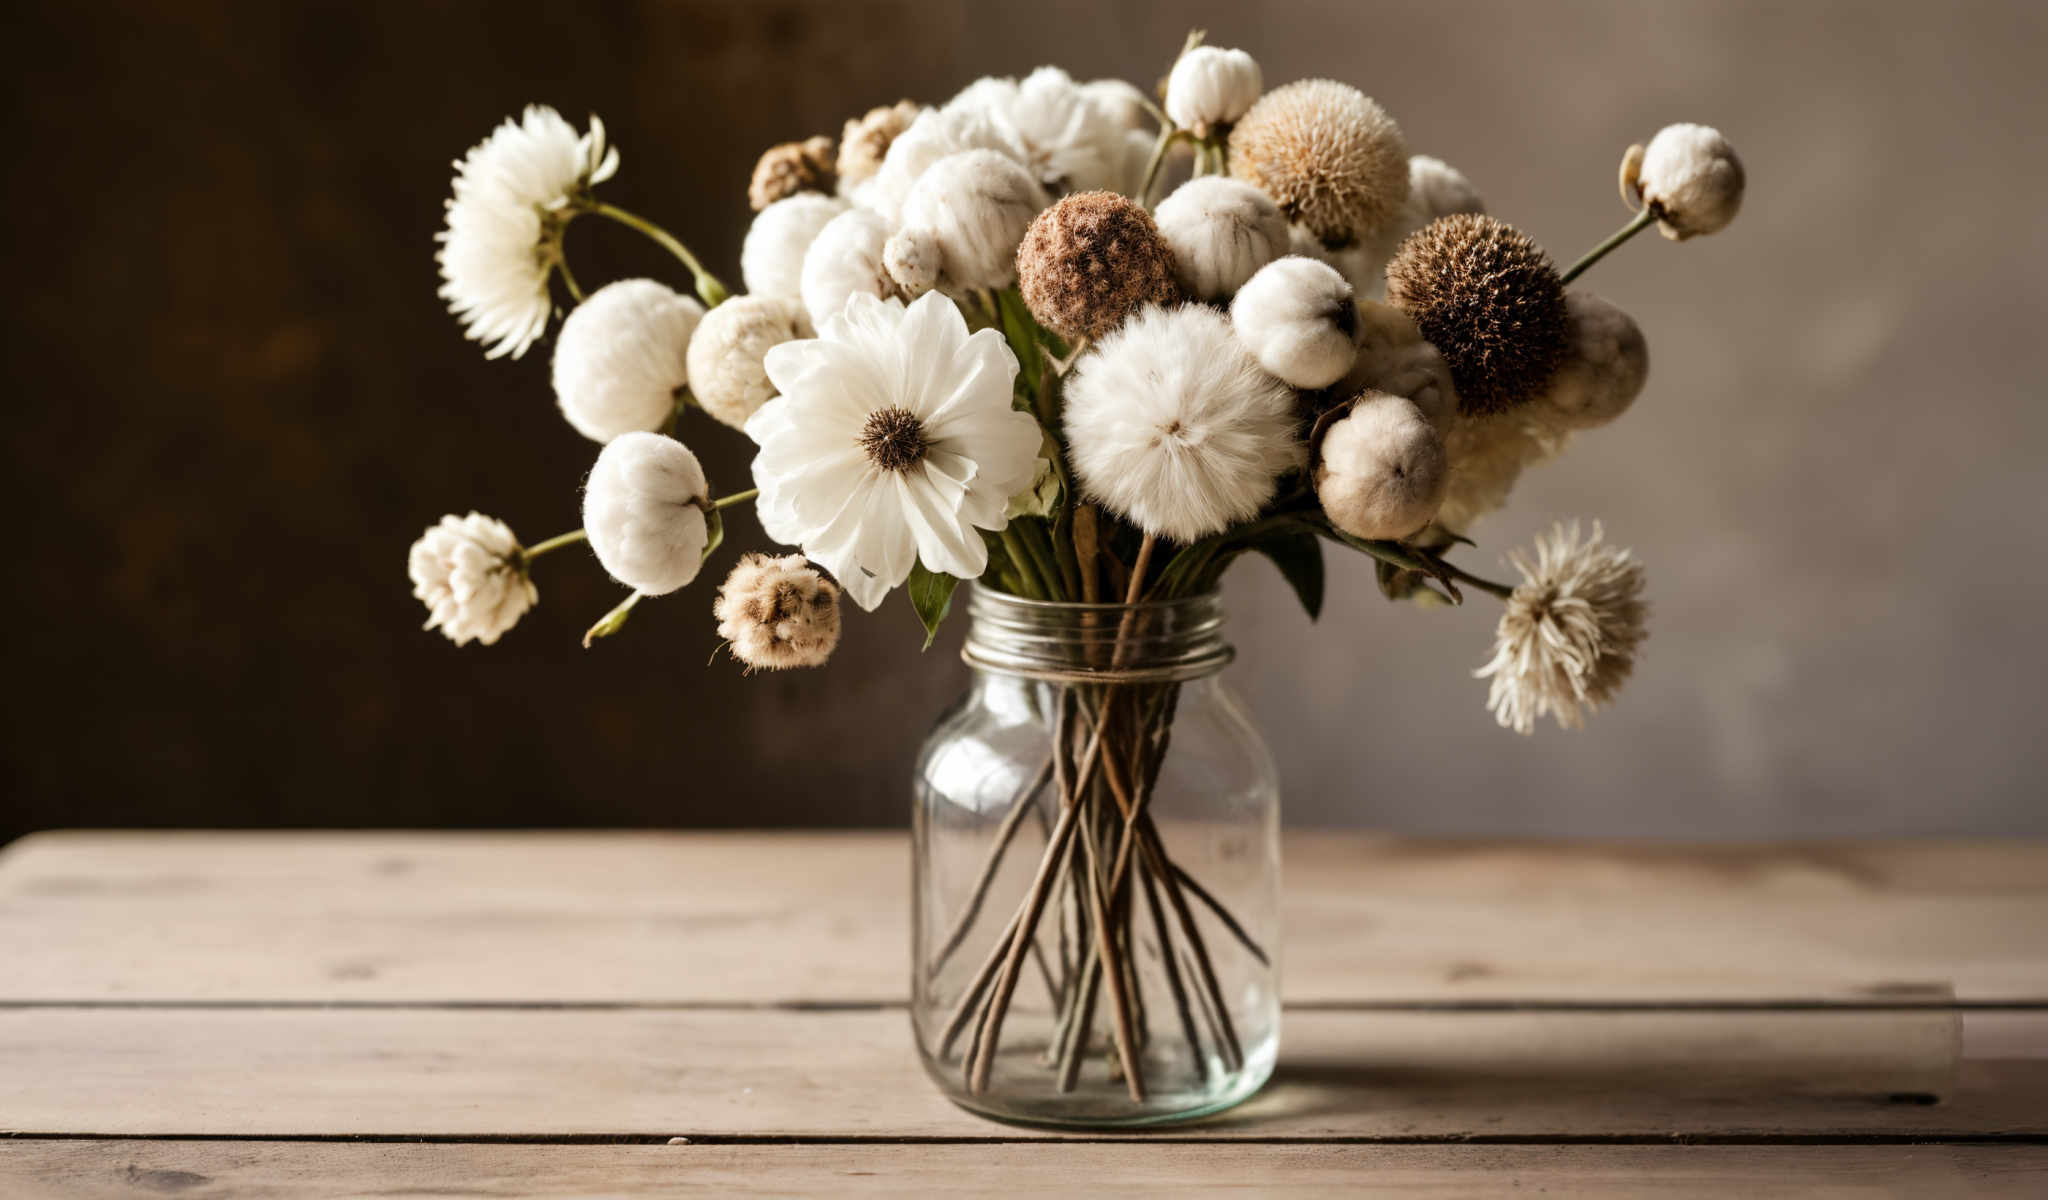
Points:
(726, 375)
(1069, 135)
(1689, 178)
(893, 442)
(846, 258)
(1173, 425)
(1211, 86)
(972, 208)
(1605, 369)
(772, 256)
(621, 358)
(1221, 230)
(1488, 455)
(1437, 189)
(1121, 104)
(778, 612)
(1380, 470)
(1363, 264)
(1297, 318)
(643, 509)
(503, 233)
(934, 135)
(1393, 358)
(1570, 633)
(471, 574)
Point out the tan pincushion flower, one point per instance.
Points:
(778, 612)
(1487, 296)
(1091, 260)
(865, 140)
(1486, 456)
(1328, 154)
(1570, 633)
(792, 167)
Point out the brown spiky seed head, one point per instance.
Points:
(865, 140)
(1329, 155)
(790, 168)
(1488, 298)
(1091, 260)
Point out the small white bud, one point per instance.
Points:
(1380, 471)
(846, 258)
(911, 259)
(1222, 231)
(772, 256)
(974, 208)
(1210, 86)
(643, 509)
(1689, 177)
(621, 357)
(1297, 318)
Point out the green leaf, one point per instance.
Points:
(611, 622)
(931, 594)
(1300, 558)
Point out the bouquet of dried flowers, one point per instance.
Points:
(1076, 345)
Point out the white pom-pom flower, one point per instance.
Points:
(1211, 86)
(471, 574)
(1688, 178)
(772, 256)
(972, 209)
(1297, 318)
(1380, 469)
(1120, 104)
(726, 375)
(1222, 230)
(1437, 189)
(622, 357)
(893, 441)
(846, 259)
(644, 511)
(1069, 136)
(1605, 369)
(503, 232)
(1174, 426)
(935, 134)
(1570, 633)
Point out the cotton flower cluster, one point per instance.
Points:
(471, 574)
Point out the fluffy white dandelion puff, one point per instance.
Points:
(622, 356)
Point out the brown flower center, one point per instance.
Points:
(894, 439)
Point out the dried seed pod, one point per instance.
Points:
(1328, 154)
(1091, 260)
(792, 167)
(1486, 296)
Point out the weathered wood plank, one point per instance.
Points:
(773, 1073)
(122, 1170)
(821, 917)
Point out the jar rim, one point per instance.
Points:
(1056, 641)
(1010, 599)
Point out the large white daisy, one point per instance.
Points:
(893, 441)
(503, 234)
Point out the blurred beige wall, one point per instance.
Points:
(237, 400)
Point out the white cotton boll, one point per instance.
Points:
(643, 510)
(845, 258)
(911, 258)
(1690, 178)
(1393, 358)
(1211, 86)
(936, 134)
(772, 257)
(974, 207)
(470, 573)
(1604, 370)
(726, 372)
(1297, 318)
(1175, 427)
(621, 357)
(1120, 104)
(1438, 189)
(1380, 470)
(1221, 230)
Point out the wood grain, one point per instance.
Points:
(122, 1170)
(852, 1075)
(810, 918)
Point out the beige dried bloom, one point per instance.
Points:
(1570, 633)
(726, 353)
(1487, 296)
(792, 167)
(1487, 456)
(865, 140)
(1328, 154)
(1604, 368)
(1091, 260)
(778, 612)
(471, 574)
(1689, 179)
(1391, 357)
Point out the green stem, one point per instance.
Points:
(1641, 222)
(709, 289)
(554, 543)
(569, 277)
(1168, 135)
(1042, 559)
(1020, 558)
(735, 498)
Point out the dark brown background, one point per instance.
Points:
(235, 400)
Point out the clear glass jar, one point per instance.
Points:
(1098, 775)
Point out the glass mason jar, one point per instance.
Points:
(1102, 790)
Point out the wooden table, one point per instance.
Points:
(208, 1014)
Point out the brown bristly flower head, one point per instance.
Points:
(1486, 296)
(1328, 154)
(792, 167)
(778, 612)
(1091, 260)
(865, 140)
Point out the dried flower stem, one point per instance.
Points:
(1026, 800)
(1643, 220)
(529, 553)
(709, 289)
